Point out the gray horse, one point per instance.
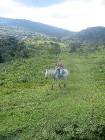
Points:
(56, 74)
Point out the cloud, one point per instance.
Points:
(71, 14)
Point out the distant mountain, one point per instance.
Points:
(35, 27)
(96, 34)
(22, 26)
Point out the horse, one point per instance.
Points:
(56, 75)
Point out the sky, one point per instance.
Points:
(73, 15)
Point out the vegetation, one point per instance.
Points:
(10, 47)
(21, 26)
(28, 26)
(30, 109)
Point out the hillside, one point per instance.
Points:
(18, 32)
(96, 34)
(35, 27)
(91, 34)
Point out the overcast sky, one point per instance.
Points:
(73, 15)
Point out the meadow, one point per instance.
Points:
(31, 110)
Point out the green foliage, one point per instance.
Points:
(74, 46)
(10, 47)
(54, 49)
(31, 110)
(42, 46)
(83, 47)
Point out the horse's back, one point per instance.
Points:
(55, 74)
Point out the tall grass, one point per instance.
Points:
(30, 110)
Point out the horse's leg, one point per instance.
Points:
(65, 82)
(60, 84)
(52, 86)
(64, 85)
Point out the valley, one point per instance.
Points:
(30, 109)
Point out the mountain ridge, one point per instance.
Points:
(92, 34)
(35, 26)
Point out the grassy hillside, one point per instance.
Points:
(30, 110)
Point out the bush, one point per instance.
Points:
(55, 49)
(10, 47)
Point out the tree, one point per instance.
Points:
(1, 58)
(10, 47)
(55, 48)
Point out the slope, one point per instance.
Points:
(31, 110)
(35, 27)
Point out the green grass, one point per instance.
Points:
(30, 110)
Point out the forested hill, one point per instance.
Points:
(35, 27)
(91, 34)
